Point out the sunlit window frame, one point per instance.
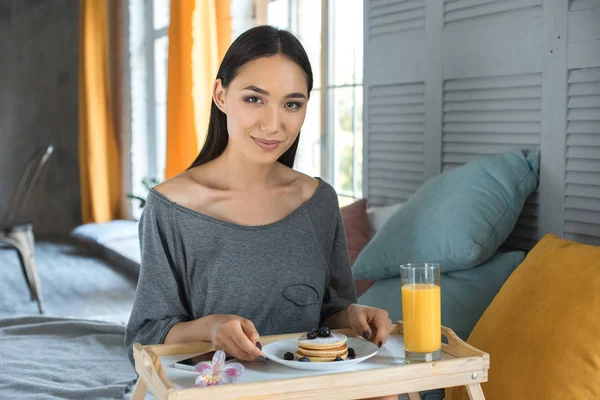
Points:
(153, 35)
(142, 99)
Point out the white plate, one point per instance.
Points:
(275, 351)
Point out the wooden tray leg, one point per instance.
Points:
(414, 396)
(475, 392)
(139, 393)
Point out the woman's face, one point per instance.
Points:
(265, 106)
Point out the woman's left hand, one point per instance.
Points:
(372, 323)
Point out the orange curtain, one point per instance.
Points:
(199, 35)
(99, 158)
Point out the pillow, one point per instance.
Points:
(378, 215)
(356, 226)
(465, 294)
(106, 232)
(362, 285)
(358, 234)
(116, 241)
(542, 329)
(458, 218)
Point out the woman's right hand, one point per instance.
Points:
(236, 336)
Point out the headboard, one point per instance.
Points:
(450, 81)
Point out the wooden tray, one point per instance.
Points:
(383, 374)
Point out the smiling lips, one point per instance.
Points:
(267, 144)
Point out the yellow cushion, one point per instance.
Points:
(542, 329)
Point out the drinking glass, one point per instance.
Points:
(421, 311)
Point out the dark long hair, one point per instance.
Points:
(261, 41)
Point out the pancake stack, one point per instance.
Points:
(323, 349)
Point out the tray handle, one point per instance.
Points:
(151, 371)
(455, 346)
(148, 364)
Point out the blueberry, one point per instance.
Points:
(338, 359)
(288, 356)
(311, 335)
(351, 352)
(323, 331)
(303, 359)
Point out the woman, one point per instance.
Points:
(241, 245)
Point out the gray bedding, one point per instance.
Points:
(56, 358)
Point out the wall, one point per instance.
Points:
(38, 105)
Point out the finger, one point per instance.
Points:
(240, 352)
(228, 339)
(245, 344)
(360, 325)
(252, 334)
(373, 337)
(383, 325)
(227, 344)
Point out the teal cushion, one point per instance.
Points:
(465, 294)
(458, 219)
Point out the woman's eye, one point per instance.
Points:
(293, 105)
(252, 99)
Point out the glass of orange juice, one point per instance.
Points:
(421, 312)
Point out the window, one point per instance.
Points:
(148, 45)
(331, 139)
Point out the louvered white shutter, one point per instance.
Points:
(580, 68)
(582, 178)
(394, 100)
(582, 191)
(396, 143)
(456, 80)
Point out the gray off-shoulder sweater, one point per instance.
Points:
(287, 276)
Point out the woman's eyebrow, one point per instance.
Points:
(256, 89)
(295, 95)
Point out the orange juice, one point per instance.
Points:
(422, 317)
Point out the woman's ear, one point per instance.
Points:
(219, 95)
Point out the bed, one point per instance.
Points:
(62, 358)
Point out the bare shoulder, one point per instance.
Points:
(303, 185)
(185, 190)
(309, 185)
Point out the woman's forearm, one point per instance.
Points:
(339, 320)
(199, 329)
(191, 331)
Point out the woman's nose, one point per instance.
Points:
(270, 121)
